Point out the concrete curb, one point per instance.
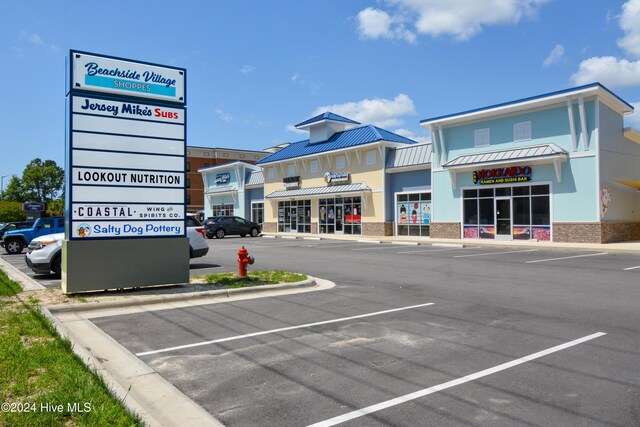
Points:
(620, 247)
(26, 282)
(187, 296)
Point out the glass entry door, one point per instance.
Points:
(293, 216)
(503, 218)
(339, 218)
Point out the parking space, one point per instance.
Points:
(410, 335)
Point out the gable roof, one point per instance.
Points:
(326, 116)
(513, 107)
(349, 138)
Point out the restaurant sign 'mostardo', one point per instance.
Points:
(508, 175)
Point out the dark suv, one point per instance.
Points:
(220, 226)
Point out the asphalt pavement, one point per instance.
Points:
(410, 335)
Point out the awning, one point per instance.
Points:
(538, 153)
(221, 190)
(319, 191)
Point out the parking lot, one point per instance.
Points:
(410, 335)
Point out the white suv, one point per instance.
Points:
(44, 253)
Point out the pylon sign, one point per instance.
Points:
(126, 149)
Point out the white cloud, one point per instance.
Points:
(223, 115)
(612, 71)
(408, 133)
(376, 23)
(36, 40)
(247, 69)
(460, 19)
(608, 70)
(377, 111)
(556, 54)
(630, 24)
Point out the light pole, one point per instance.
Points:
(2, 185)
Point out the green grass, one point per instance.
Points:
(38, 368)
(255, 278)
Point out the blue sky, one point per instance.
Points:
(255, 68)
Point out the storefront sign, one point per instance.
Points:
(291, 182)
(508, 175)
(122, 77)
(223, 178)
(331, 178)
(33, 207)
(126, 156)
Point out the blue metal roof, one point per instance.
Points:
(531, 98)
(348, 138)
(327, 116)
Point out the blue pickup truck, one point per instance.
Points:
(15, 241)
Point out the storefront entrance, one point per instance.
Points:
(503, 218)
(340, 215)
(294, 216)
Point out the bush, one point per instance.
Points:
(11, 211)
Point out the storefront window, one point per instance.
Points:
(222, 210)
(340, 215)
(257, 212)
(294, 216)
(413, 214)
(529, 204)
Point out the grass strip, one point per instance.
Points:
(254, 278)
(42, 382)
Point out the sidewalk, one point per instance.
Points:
(621, 247)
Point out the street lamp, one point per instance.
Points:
(2, 185)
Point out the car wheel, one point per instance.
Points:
(220, 233)
(13, 246)
(254, 232)
(56, 267)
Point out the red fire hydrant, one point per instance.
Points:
(244, 260)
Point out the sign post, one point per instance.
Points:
(125, 175)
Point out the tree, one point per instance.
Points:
(13, 192)
(42, 181)
(11, 211)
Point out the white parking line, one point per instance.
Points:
(421, 393)
(495, 253)
(630, 268)
(272, 331)
(432, 250)
(566, 257)
(380, 246)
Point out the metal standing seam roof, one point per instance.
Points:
(417, 154)
(255, 178)
(525, 153)
(327, 116)
(349, 138)
(317, 191)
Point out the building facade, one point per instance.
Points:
(235, 189)
(203, 157)
(334, 182)
(558, 166)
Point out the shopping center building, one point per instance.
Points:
(554, 167)
(558, 166)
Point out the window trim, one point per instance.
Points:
(341, 159)
(479, 134)
(375, 157)
(527, 126)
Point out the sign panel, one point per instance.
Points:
(331, 178)
(99, 73)
(509, 175)
(223, 178)
(127, 176)
(33, 207)
(291, 182)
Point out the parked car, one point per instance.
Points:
(198, 246)
(15, 240)
(14, 225)
(44, 254)
(221, 226)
